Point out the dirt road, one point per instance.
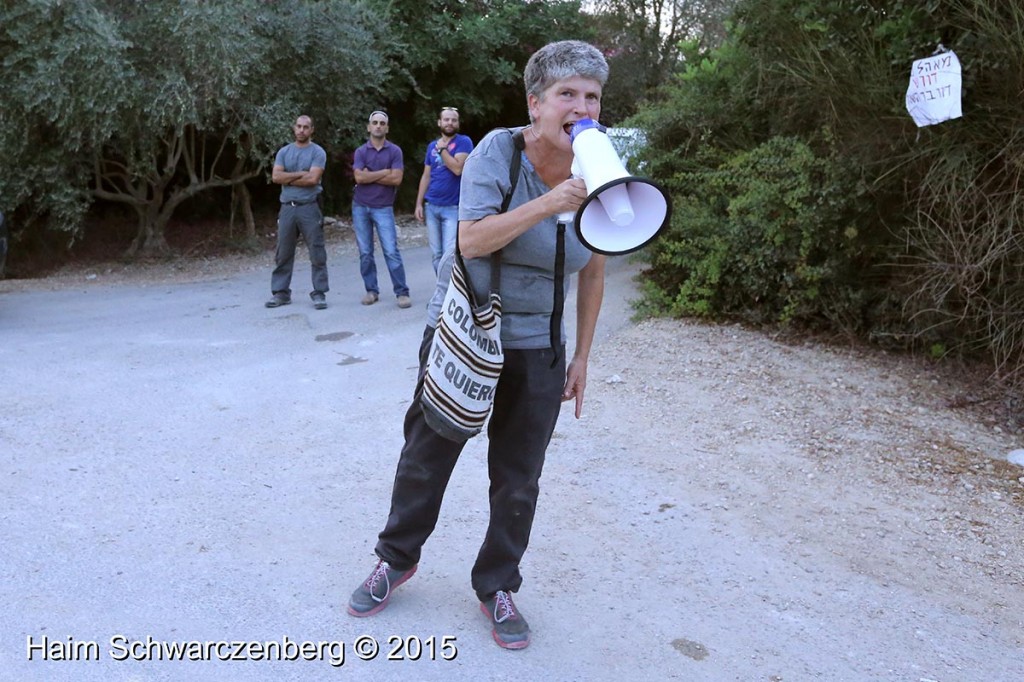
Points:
(178, 464)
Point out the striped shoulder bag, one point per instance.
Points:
(466, 356)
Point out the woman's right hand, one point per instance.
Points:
(567, 196)
(487, 235)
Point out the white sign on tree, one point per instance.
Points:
(933, 95)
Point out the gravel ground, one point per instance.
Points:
(733, 506)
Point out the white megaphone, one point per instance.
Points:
(622, 213)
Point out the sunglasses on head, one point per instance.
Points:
(450, 109)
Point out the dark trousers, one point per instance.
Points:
(291, 221)
(526, 406)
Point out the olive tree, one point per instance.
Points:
(63, 71)
(149, 104)
(216, 87)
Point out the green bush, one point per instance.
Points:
(804, 193)
(762, 238)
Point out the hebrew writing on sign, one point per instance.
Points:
(933, 95)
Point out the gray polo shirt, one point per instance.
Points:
(294, 158)
(527, 262)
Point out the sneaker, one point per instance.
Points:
(510, 628)
(319, 300)
(278, 300)
(370, 298)
(404, 302)
(373, 595)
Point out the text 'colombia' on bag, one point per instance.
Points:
(465, 356)
(464, 362)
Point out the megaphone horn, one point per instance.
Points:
(622, 213)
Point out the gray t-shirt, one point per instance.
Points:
(527, 262)
(293, 158)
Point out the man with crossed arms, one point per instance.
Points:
(298, 168)
(378, 169)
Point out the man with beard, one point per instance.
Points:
(298, 168)
(439, 186)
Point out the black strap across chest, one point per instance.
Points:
(514, 169)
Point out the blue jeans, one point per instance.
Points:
(364, 219)
(442, 225)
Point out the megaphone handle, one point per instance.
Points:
(575, 173)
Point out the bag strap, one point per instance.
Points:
(514, 167)
(519, 143)
(555, 328)
(555, 325)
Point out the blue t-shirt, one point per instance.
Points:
(368, 157)
(443, 189)
(295, 158)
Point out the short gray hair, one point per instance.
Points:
(561, 60)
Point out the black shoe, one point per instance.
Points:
(375, 592)
(319, 300)
(278, 300)
(510, 630)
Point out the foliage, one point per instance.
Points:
(963, 262)
(63, 71)
(804, 192)
(335, 66)
(218, 95)
(760, 237)
(644, 43)
(156, 156)
(776, 145)
(469, 55)
(149, 104)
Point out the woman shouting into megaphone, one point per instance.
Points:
(513, 213)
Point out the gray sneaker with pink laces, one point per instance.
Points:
(509, 628)
(373, 594)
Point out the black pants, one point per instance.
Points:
(526, 406)
(308, 220)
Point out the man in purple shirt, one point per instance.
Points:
(378, 169)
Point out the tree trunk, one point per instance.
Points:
(150, 240)
(240, 197)
(231, 217)
(155, 211)
(250, 221)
